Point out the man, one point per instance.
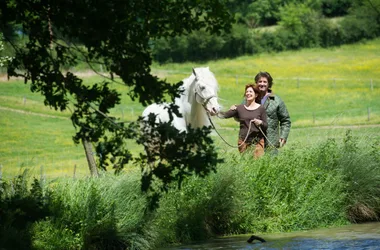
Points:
(278, 116)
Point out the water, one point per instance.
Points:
(359, 236)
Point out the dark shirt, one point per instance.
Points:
(244, 116)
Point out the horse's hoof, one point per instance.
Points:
(254, 237)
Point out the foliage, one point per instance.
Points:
(201, 209)
(104, 213)
(290, 192)
(293, 25)
(20, 207)
(363, 21)
(301, 25)
(300, 188)
(258, 13)
(361, 172)
(197, 155)
(115, 34)
(3, 59)
(336, 7)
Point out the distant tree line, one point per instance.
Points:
(276, 25)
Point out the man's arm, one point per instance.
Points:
(285, 122)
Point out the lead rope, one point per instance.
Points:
(212, 124)
(239, 145)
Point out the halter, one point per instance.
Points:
(206, 100)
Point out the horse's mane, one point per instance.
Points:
(194, 112)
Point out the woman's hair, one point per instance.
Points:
(265, 75)
(253, 86)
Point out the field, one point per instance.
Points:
(327, 92)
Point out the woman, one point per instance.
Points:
(253, 122)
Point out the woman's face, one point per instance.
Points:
(250, 94)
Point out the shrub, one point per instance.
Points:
(21, 205)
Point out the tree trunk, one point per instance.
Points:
(90, 158)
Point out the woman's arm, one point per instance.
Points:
(230, 113)
(262, 120)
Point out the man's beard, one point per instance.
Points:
(262, 92)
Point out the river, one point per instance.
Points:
(356, 236)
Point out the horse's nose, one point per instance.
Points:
(217, 109)
(214, 111)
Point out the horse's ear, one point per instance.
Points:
(194, 72)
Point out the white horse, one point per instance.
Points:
(198, 98)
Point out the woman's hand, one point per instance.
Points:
(257, 122)
(233, 107)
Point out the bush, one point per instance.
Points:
(357, 29)
(331, 34)
(21, 205)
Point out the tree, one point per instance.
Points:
(3, 59)
(115, 34)
(362, 21)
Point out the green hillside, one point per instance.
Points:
(325, 90)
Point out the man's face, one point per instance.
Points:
(262, 83)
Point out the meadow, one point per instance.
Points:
(327, 91)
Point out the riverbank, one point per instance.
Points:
(354, 236)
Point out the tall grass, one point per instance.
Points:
(300, 188)
(105, 213)
(274, 194)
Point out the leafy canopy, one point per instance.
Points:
(119, 36)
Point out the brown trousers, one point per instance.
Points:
(258, 150)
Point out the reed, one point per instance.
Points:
(326, 184)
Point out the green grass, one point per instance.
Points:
(35, 142)
(329, 184)
(299, 189)
(332, 88)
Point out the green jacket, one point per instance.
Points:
(278, 120)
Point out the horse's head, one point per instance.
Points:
(206, 88)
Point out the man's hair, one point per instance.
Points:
(265, 75)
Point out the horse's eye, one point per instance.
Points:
(202, 88)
